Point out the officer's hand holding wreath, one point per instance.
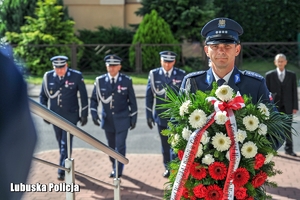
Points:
(151, 123)
(96, 121)
(83, 121)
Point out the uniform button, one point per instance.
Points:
(112, 100)
(60, 100)
(113, 113)
(60, 105)
(60, 88)
(112, 94)
(113, 107)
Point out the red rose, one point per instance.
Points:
(259, 161)
(198, 171)
(259, 179)
(200, 191)
(240, 177)
(185, 193)
(214, 192)
(180, 154)
(217, 170)
(240, 193)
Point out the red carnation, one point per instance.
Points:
(217, 170)
(240, 177)
(200, 191)
(240, 193)
(249, 198)
(259, 179)
(259, 161)
(180, 154)
(214, 192)
(198, 171)
(185, 193)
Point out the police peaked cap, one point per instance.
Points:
(59, 61)
(222, 30)
(112, 60)
(168, 56)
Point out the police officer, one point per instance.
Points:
(222, 45)
(60, 86)
(159, 78)
(119, 108)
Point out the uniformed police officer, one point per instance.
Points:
(119, 108)
(222, 45)
(60, 86)
(158, 79)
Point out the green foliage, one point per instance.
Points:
(259, 21)
(185, 17)
(47, 29)
(12, 13)
(93, 55)
(152, 30)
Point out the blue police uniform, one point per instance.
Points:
(157, 82)
(62, 93)
(227, 31)
(17, 132)
(119, 108)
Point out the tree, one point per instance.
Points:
(264, 21)
(152, 30)
(12, 13)
(185, 17)
(47, 29)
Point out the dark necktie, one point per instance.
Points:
(220, 82)
(167, 76)
(112, 82)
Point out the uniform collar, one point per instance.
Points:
(170, 71)
(116, 77)
(226, 78)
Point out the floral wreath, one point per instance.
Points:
(224, 144)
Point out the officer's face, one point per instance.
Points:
(280, 62)
(222, 57)
(167, 65)
(61, 71)
(113, 70)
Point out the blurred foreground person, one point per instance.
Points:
(17, 131)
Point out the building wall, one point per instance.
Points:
(89, 14)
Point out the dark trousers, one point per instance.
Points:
(166, 149)
(288, 133)
(117, 141)
(61, 137)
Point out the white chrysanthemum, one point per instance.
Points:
(200, 151)
(269, 157)
(221, 117)
(197, 119)
(224, 93)
(184, 108)
(240, 135)
(186, 133)
(205, 139)
(262, 129)
(264, 110)
(251, 122)
(249, 150)
(227, 155)
(221, 142)
(175, 139)
(208, 159)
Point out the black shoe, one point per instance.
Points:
(112, 175)
(61, 177)
(291, 153)
(166, 174)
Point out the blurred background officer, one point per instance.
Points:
(119, 107)
(61, 87)
(17, 132)
(158, 79)
(222, 45)
(282, 84)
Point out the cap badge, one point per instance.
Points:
(222, 23)
(111, 57)
(169, 53)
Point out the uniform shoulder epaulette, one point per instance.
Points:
(101, 76)
(125, 76)
(253, 74)
(154, 70)
(181, 70)
(193, 74)
(75, 71)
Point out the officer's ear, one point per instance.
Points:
(237, 49)
(206, 50)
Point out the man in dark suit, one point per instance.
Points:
(119, 108)
(17, 133)
(282, 84)
(159, 78)
(61, 86)
(222, 45)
